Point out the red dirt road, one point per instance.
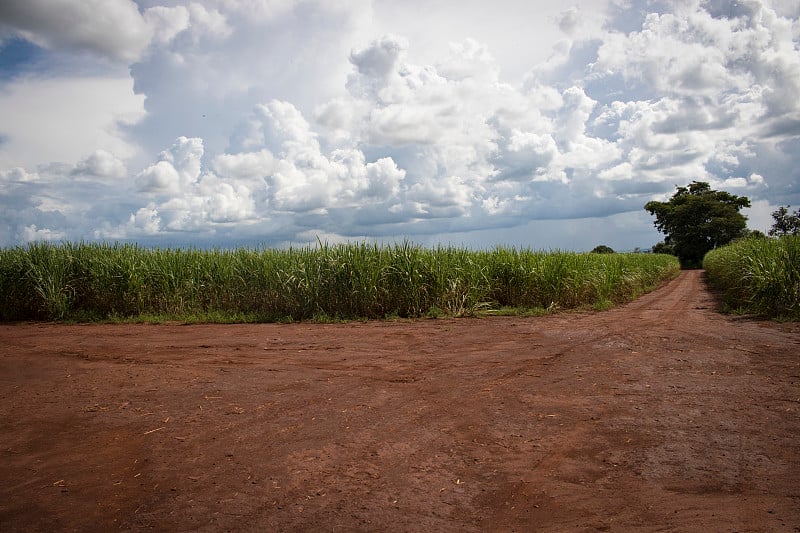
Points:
(661, 415)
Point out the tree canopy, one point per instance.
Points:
(786, 223)
(698, 219)
(602, 249)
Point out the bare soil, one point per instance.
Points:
(661, 415)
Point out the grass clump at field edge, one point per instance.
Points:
(67, 281)
(758, 276)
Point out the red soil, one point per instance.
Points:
(661, 415)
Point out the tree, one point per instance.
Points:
(663, 248)
(786, 223)
(698, 219)
(602, 249)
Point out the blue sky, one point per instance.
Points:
(268, 122)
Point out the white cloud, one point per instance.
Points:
(18, 175)
(574, 113)
(292, 178)
(159, 177)
(623, 171)
(284, 126)
(166, 22)
(519, 34)
(32, 233)
(376, 65)
(753, 182)
(144, 222)
(211, 62)
(122, 35)
(384, 179)
(469, 59)
(284, 119)
(258, 10)
(673, 54)
(66, 120)
(209, 22)
(245, 165)
(759, 215)
(177, 169)
(101, 164)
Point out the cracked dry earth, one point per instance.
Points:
(660, 415)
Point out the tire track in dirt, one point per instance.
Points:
(677, 414)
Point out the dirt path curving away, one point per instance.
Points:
(661, 415)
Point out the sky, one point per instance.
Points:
(527, 123)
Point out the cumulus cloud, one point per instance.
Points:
(245, 165)
(290, 178)
(56, 202)
(32, 233)
(469, 59)
(210, 63)
(167, 23)
(122, 35)
(177, 168)
(260, 127)
(376, 65)
(101, 164)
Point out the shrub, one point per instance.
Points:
(758, 276)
